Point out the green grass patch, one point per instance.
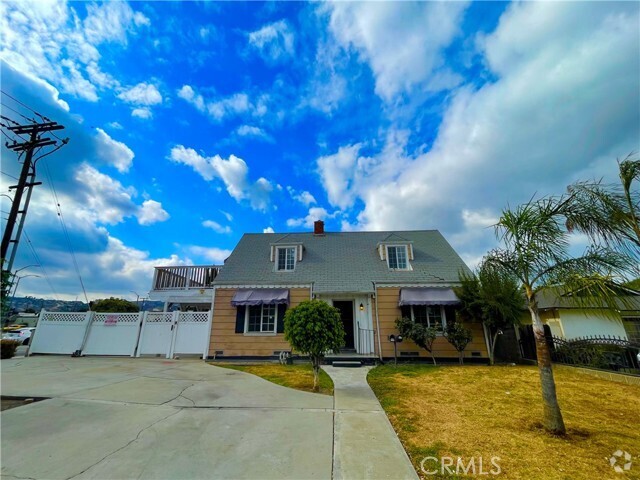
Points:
(297, 376)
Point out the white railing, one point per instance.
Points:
(185, 277)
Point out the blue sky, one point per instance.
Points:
(192, 123)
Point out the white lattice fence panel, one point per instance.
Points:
(113, 334)
(156, 334)
(192, 335)
(60, 332)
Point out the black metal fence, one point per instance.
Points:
(601, 351)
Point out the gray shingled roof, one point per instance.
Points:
(341, 261)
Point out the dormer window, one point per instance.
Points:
(286, 258)
(397, 257)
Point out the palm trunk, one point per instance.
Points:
(553, 421)
(492, 358)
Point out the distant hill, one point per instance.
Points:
(22, 304)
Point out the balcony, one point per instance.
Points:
(184, 278)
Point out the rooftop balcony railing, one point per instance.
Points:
(185, 277)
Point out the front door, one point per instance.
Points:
(346, 314)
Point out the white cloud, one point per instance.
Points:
(252, 131)
(141, 94)
(337, 174)
(113, 152)
(48, 41)
(268, 230)
(187, 93)
(315, 213)
(106, 199)
(528, 131)
(227, 215)
(274, 41)
(216, 227)
(212, 254)
(144, 113)
(232, 171)
(115, 125)
(221, 108)
(303, 197)
(151, 212)
(402, 42)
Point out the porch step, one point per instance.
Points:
(347, 363)
(347, 351)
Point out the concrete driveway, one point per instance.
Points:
(117, 418)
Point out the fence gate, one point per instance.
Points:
(156, 334)
(132, 334)
(59, 332)
(191, 333)
(113, 334)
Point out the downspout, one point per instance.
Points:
(375, 289)
(213, 302)
(311, 292)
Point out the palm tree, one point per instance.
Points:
(535, 240)
(609, 213)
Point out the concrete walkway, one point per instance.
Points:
(365, 446)
(121, 418)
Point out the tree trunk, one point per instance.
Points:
(553, 421)
(492, 358)
(433, 358)
(316, 373)
(461, 357)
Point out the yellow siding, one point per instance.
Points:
(223, 336)
(389, 312)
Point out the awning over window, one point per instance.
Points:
(260, 296)
(428, 296)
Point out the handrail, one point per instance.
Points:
(366, 344)
(185, 277)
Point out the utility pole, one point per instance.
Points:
(26, 181)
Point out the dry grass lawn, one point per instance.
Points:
(475, 411)
(298, 376)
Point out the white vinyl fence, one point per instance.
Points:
(130, 334)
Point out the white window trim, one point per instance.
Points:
(406, 252)
(295, 257)
(260, 334)
(442, 315)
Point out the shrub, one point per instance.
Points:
(420, 334)
(459, 336)
(8, 348)
(314, 328)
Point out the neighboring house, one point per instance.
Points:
(373, 278)
(566, 320)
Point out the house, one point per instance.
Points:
(371, 277)
(569, 321)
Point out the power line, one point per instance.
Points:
(39, 263)
(64, 229)
(16, 111)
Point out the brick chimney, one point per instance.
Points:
(318, 227)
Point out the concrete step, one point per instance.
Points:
(347, 363)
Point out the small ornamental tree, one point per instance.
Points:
(459, 336)
(419, 334)
(314, 328)
(114, 305)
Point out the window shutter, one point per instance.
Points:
(282, 308)
(405, 311)
(240, 319)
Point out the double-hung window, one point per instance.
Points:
(429, 316)
(286, 258)
(261, 319)
(397, 257)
